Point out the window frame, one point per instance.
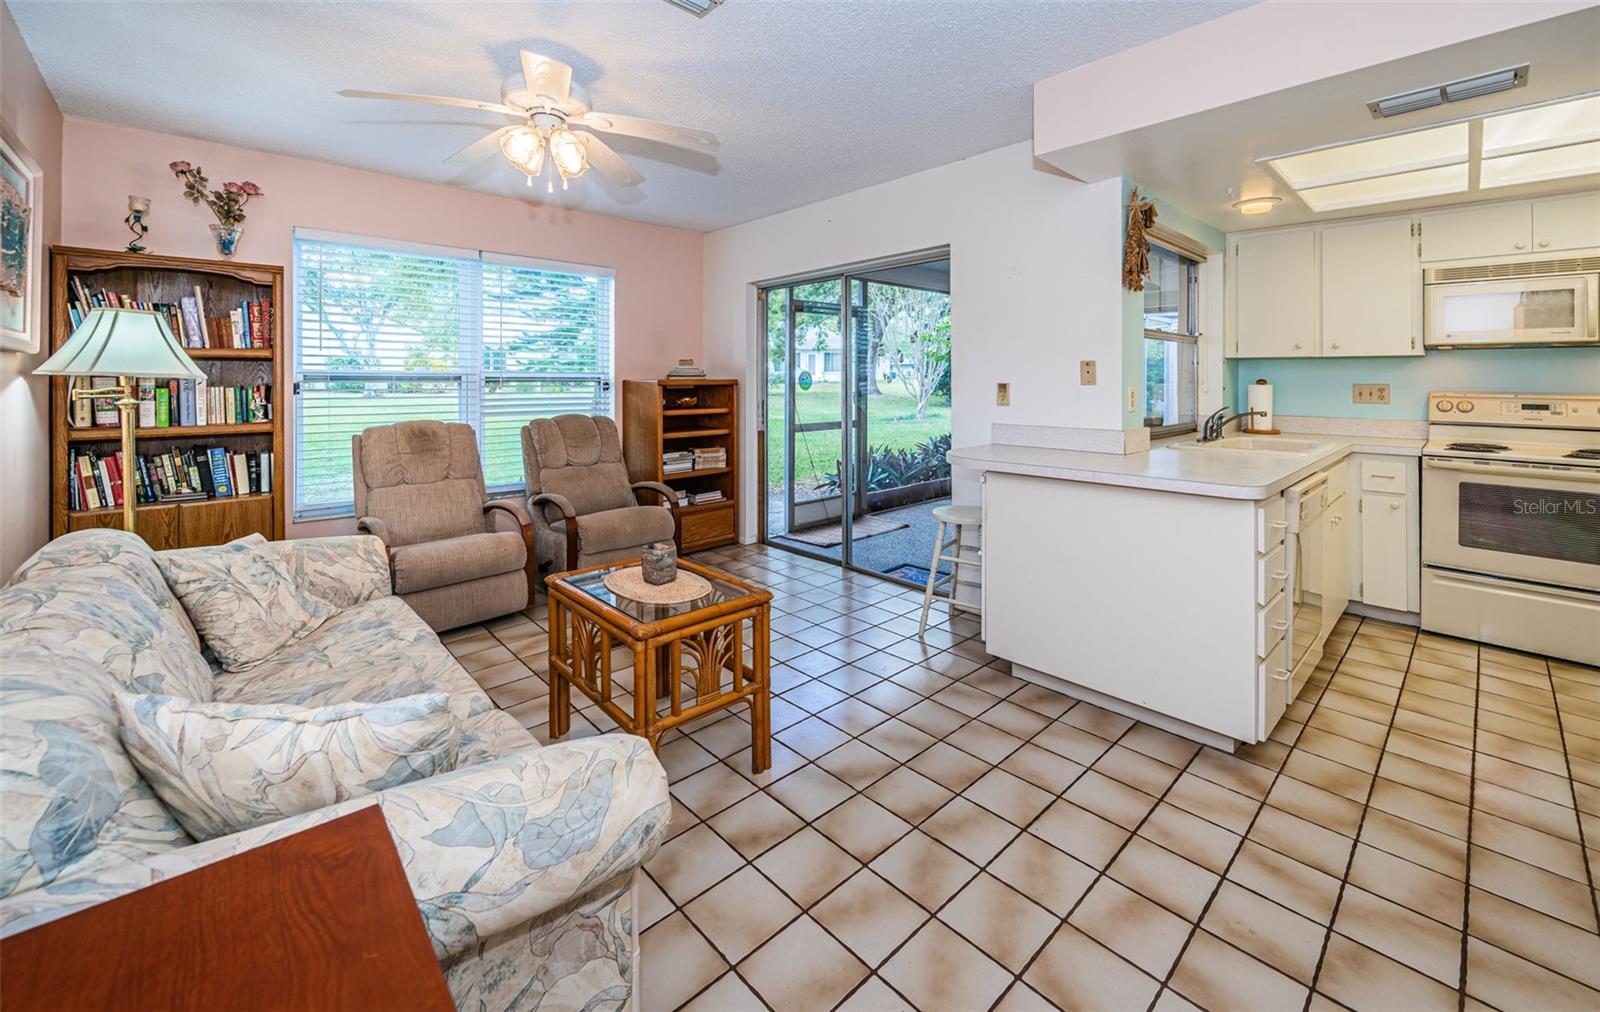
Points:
(1188, 335)
(472, 383)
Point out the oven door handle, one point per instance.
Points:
(1578, 474)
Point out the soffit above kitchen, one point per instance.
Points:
(1206, 160)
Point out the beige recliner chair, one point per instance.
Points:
(419, 487)
(578, 483)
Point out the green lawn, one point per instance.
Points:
(891, 421)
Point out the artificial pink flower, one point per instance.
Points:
(233, 187)
(177, 167)
(250, 188)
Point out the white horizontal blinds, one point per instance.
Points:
(394, 333)
(546, 351)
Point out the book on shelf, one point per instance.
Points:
(686, 369)
(193, 403)
(247, 325)
(100, 480)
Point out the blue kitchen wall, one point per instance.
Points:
(1321, 386)
(1184, 223)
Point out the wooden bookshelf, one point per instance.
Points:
(151, 278)
(660, 416)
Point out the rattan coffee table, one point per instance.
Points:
(688, 659)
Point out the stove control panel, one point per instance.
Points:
(1563, 411)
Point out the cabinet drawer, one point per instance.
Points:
(1270, 524)
(1270, 575)
(1271, 623)
(709, 528)
(1384, 475)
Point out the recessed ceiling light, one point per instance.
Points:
(1257, 205)
(1575, 121)
(1387, 189)
(1537, 166)
(1381, 156)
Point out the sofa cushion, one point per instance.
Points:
(241, 599)
(225, 767)
(456, 560)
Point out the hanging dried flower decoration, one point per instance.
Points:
(1136, 244)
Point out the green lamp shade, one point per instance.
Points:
(122, 342)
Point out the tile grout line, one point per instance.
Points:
(1577, 813)
(1472, 803)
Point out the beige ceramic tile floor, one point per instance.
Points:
(936, 834)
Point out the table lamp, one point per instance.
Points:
(127, 344)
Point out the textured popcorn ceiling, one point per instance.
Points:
(810, 99)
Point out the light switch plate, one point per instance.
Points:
(1086, 372)
(1369, 393)
(1002, 394)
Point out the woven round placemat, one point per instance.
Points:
(629, 583)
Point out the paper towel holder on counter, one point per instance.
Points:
(1259, 400)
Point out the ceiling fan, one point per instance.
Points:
(554, 126)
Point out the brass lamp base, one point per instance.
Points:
(127, 396)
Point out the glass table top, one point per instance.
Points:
(593, 585)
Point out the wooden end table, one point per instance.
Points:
(697, 646)
(323, 919)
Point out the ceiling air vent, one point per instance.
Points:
(699, 8)
(1476, 86)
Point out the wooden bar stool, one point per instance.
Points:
(956, 518)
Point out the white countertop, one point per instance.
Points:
(1224, 475)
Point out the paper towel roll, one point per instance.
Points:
(1260, 399)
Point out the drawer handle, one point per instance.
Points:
(1282, 574)
(1280, 524)
(1280, 674)
(1383, 477)
(1280, 625)
(1394, 505)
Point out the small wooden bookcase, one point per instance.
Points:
(661, 416)
(150, 278)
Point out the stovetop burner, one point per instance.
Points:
(1585, 454)
(1477, 447)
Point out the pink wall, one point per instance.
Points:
(658, 310)
(31, 117)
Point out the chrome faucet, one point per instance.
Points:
(1212, 429)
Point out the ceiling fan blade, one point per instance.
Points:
(650, 130)
(609, 163)
(480, 149)
(463, 103)
(546, 78)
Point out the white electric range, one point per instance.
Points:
(1511, 521)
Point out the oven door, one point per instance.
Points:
(1550, 310)
(1540, 524)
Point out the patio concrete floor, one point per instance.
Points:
(910, 545)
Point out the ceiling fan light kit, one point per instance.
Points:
(554, 127)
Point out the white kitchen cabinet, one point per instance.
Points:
(1566, 222)
(1492, 230)
(1274, 294)
(1371, 289)
(1385, 545)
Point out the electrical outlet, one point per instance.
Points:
(1133, 398)
(1086, 372)
(1002, 394)
(1369, 393)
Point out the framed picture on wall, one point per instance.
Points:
(21, 248)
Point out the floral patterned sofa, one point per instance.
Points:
(522, 859)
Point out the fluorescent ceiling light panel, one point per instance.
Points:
(1387, 189)
(1383, 156)
(1543, 126)
(1537, 166)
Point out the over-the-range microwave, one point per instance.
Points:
(1545, 301)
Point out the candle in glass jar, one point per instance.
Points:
(660, 563)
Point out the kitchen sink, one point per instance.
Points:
(1277, 445)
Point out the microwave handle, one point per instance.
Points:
(1553, 473)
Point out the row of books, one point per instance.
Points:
(686, 369)
(247, 325)
(697, 459)
(687, 498)
(677, 461)
(164, 403)
(98, 480)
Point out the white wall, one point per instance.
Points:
(1034, 288)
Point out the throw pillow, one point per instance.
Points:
(241, 599)
(223, 767)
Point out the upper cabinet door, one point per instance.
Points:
(1566, 222)
(1498, 230)
(1275, 298)
(1371, 289)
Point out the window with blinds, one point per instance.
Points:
(390, 332)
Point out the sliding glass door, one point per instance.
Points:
(857, 415)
